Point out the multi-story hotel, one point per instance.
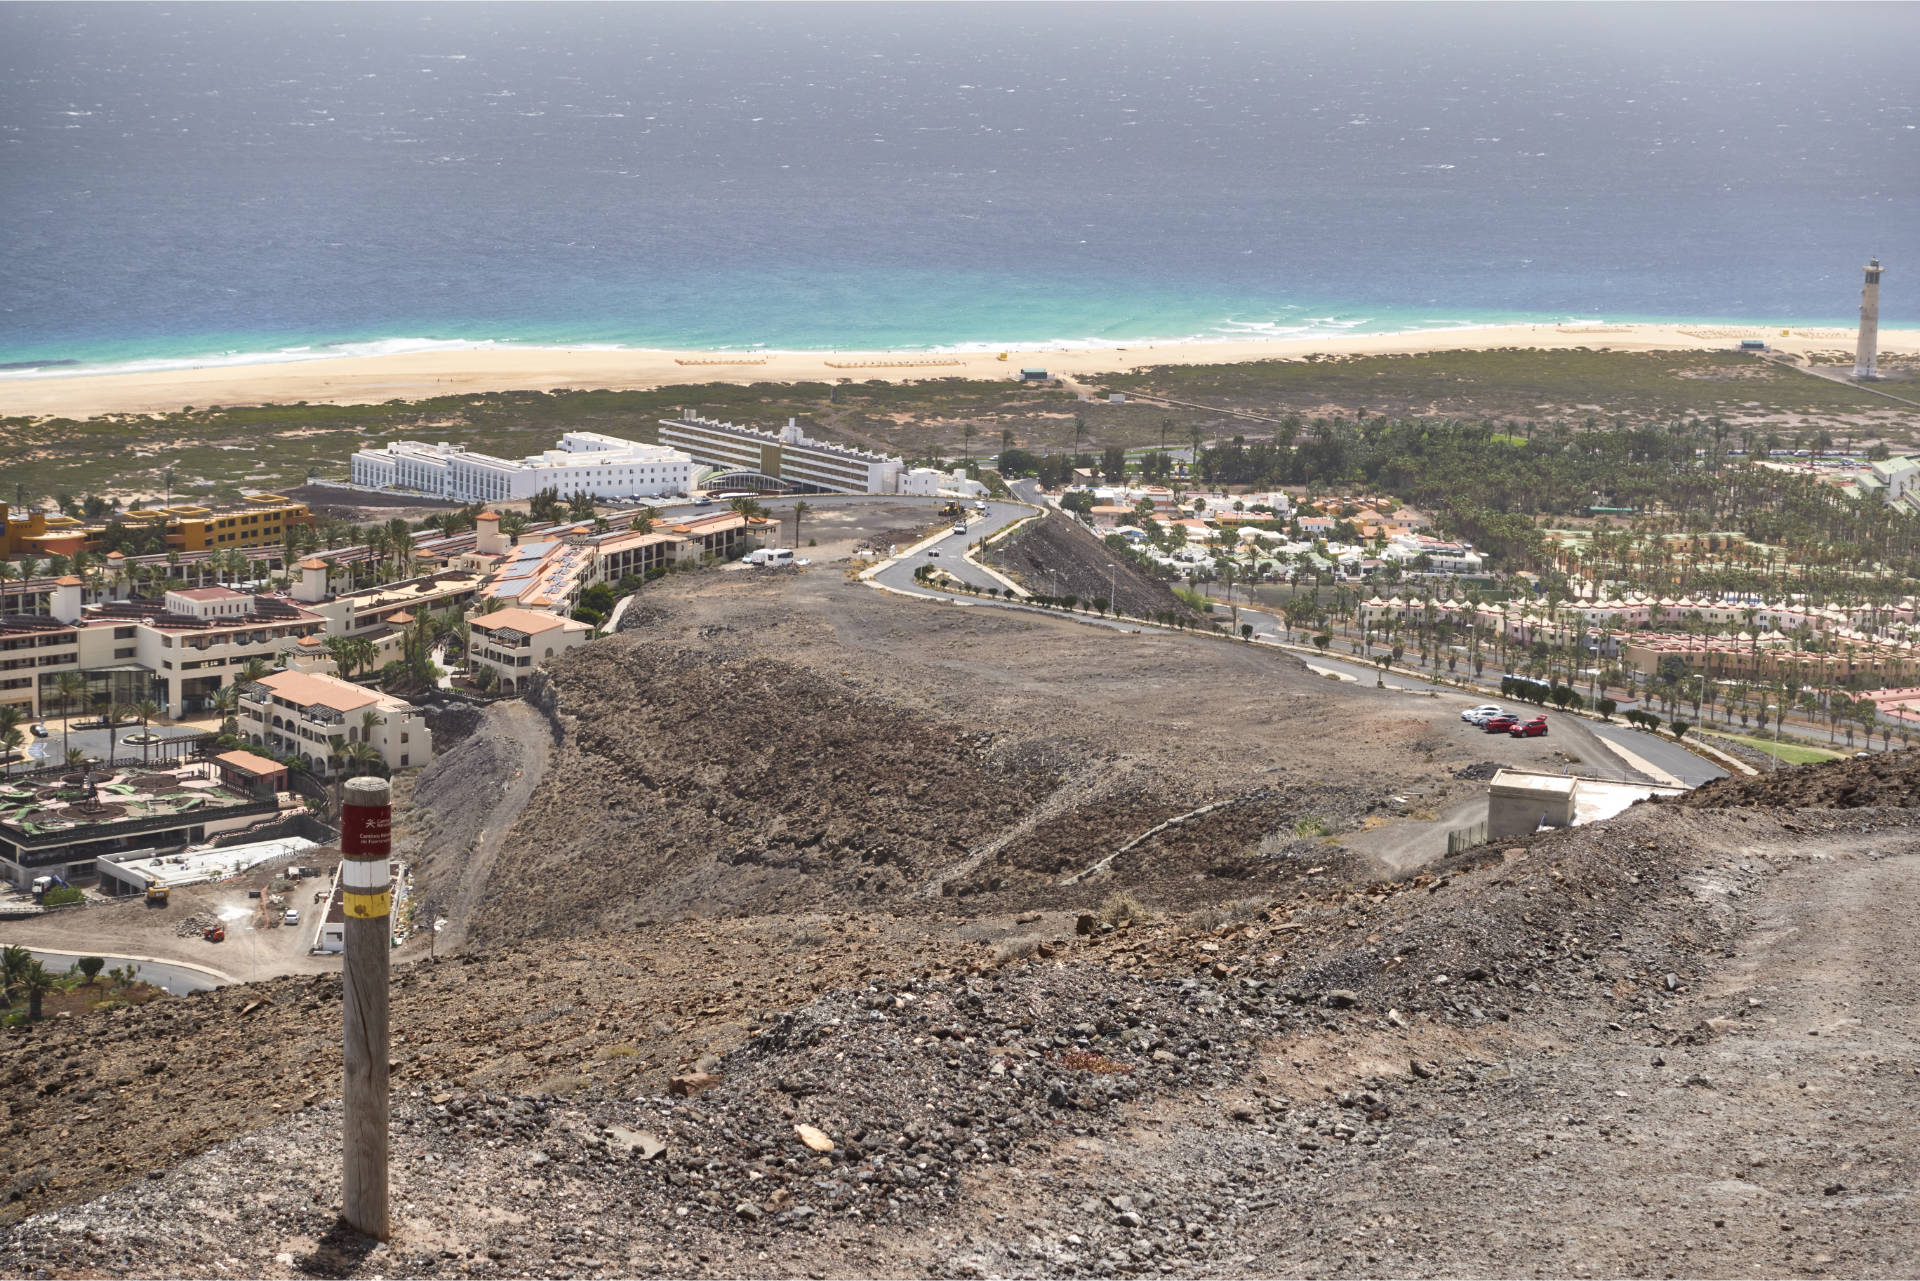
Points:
(749, 458)
(603, 466)
(318, 716)
(257, 520)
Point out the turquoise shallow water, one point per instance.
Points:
(221, 184)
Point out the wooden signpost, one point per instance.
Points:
(366, 818)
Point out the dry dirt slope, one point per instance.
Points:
(766, 764)
(1679, 1044)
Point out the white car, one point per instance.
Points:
(1482, 714)
(293, 916)
(960, 529)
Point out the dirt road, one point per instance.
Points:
(1752, 1124)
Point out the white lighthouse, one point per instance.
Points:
(1868, 350)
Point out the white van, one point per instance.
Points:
(770, 557)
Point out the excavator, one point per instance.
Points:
(158, 895)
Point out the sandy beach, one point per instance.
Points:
(419, 375)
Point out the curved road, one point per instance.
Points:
(948, 552)
(168, 976)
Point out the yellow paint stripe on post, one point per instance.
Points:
(364, 906)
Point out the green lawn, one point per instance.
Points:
(1791, 753)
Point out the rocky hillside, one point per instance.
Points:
(699, 780)
(1600, 1030)
(1881, 778)
(1058, 556)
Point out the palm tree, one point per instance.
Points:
(361, 757)
(513, 524)
(642, 522)
(10, 735)
(36, 982)
(13, 970)
(370, 720)
(69, 686)
(113, 711)
(7, 570)
(226, 702)
(344, 652)
(802, 507)
(75, 758)
(148, 709)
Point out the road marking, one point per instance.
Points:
(1641, 763)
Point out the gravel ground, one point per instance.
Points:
(1676, 1044)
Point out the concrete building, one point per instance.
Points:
(178, 652)
(510, 643)
(603, 466)
(931, 482)
(125, 875)
(1520, 802)
(748, 458)
(305, 712)
(257, 520)
(1866, 351)
(165, 809)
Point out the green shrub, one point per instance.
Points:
(63, 896)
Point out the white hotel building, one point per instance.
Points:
(748, 458)
(603, 466)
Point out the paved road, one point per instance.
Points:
(168, 976)
(1669, 756)
(947, 553)
(50, 750)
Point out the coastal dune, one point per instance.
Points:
(353, 380)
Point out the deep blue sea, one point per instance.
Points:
(183, 183)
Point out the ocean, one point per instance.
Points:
(192, 184)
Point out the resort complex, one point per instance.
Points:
(585, 462)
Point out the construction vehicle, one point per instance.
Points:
(215, 933)
(42, 884)
(158, 895)
(954, 511)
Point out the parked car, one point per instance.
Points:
(293, 916)
(1500, 724)
(39, 730)
(1535, 728)
(933, 555)
(1474, 715)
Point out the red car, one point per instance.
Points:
(1500, 724)
(1535, 728)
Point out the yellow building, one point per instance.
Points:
(257, 520)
